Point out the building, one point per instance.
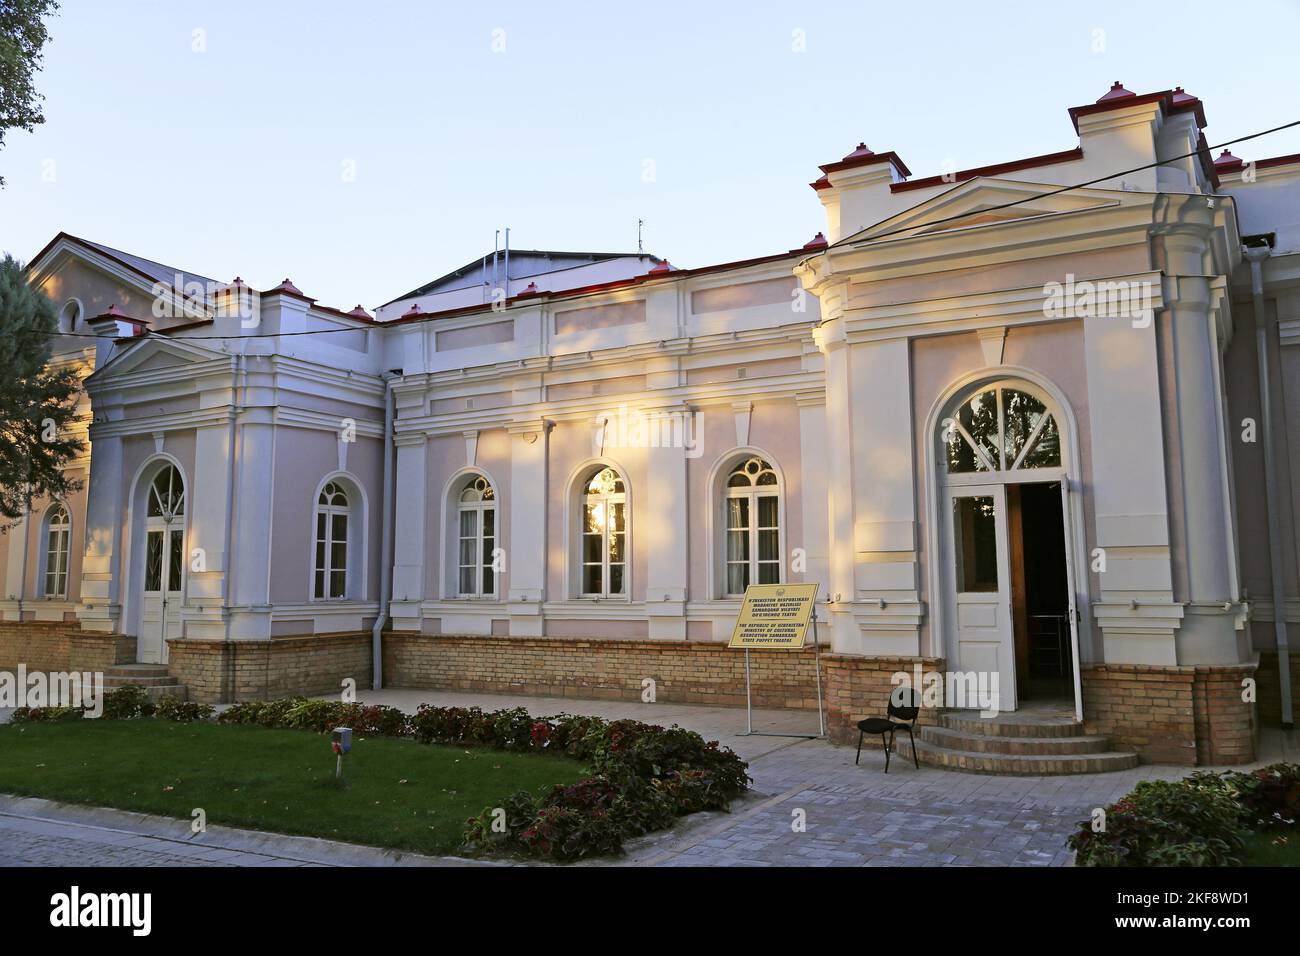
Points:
(1027, 421)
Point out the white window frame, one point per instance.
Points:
(606, 500)
(57, 512)
(330, 510)
(751, 493)
(485, 502)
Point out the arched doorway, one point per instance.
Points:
(1005, 562)
(162, 564)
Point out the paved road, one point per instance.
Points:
(811, 806)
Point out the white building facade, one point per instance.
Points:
(1011, 429)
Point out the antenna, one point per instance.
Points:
(639, 248)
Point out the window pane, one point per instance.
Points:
(979, 416)
(975, 544)
(616, 579)
(338, 556)
(489, 584)
(617, 545)
(737, 578)
(468, 524)
(737, 545)
(176, 563)
(153, 561)
(339, 527)
(738, 480)
(593, 517)
(489, 521)
(1021, 414)
(467, 551)
(737, 512)
(320, 524)
(319, 590)
(466, 580)
(769, 546)
(593, 548)
(591, 579)
(769, 573)
(320, 554)
(1046, 452)
(616, 516)
(767, 511)
(338, 583)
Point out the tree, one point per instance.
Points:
(37, 403)
(22, 35)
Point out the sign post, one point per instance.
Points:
(776, 617)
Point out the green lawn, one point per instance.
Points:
(1261, 850)
(395, 793)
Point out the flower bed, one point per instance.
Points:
(1201, 820)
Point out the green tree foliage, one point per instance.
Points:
(22, 36)
(37, 403)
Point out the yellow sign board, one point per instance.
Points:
(774, 616)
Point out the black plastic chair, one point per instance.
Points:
(904, 704)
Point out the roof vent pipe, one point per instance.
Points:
(1256, 255)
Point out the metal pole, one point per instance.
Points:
(817, 656)
(749, 700)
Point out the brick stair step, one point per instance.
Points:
(992, 744)
(1018, 764)
(1011, 725)
(112, 680)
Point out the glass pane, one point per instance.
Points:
(616, 579)
(466, 580)
(737, 545)
(468, 524)
(769, 547)
(979, 416)
(767, 511)
(1021, 414)
(616, 522)
(338, 556)
(769, 573)
(489, 521)
(738, 480)
(593, 548)
(320, 525)
(974, 525)
(319, 590)
(737, 578)
(339, 527)
(153, 561)
(176, 563)
(594, 517)
(467, 551)
(489, 586)
(1046, 452)
(320, 554)
(617, 545)
(737, 512)
(604, 482)
(591, 579)
(338, 583)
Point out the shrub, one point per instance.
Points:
(1269, 796)
(1165, 823)
(29, 715)
(173, 708)
(127, 703)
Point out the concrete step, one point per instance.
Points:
(144, 670)
(111, 681)
(991, 744)
(1036, 764)
(1011, 725)
(152, 678)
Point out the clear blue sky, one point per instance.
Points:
(231, 161)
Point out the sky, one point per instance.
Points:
(361, 149)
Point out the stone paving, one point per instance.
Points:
(811, 806)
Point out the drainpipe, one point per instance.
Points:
(227, 583)
(385, 540)
(1256, 255)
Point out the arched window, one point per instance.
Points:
(753, 529)
(1000, 428)
(331, 568)
(167, 495)
(165, 532)
(58, 528)
(604, 535)
(70, 316)
(476, 541)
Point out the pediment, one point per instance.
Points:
(153, 355)
(983, 202)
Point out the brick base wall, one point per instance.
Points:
(1179, 715)
(859, 687)
(1270, 692)
(227, 671)
(61, 647)
(694, 672)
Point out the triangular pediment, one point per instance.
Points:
(983, 202)
(153, 354)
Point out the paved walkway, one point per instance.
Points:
(811, 806)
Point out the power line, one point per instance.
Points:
(984, 210)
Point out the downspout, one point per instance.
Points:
(227, 587)
(385, 541)
(1256, 255)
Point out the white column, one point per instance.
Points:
(526, 561)
(206, 555)
(410, 543)
(665, 499)
(254, 504)
(101, 565)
